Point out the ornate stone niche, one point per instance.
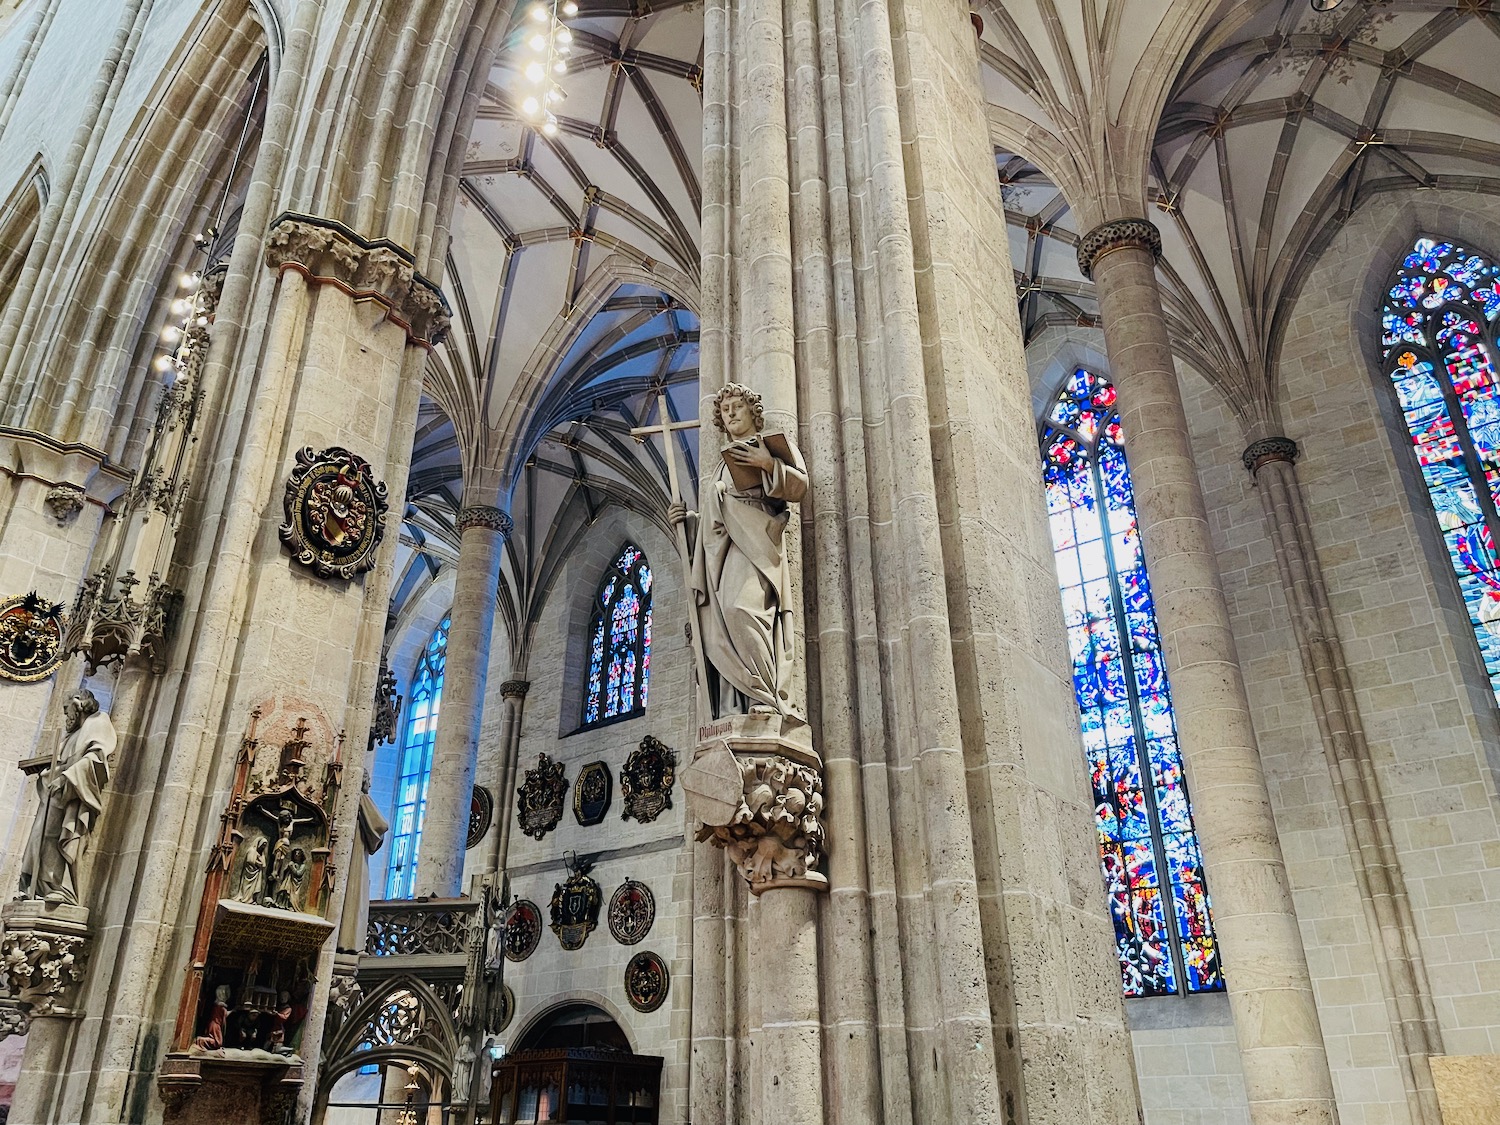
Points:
(262, 920)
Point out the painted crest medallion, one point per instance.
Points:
(591, 793)
(31, 634)
(575, 908)
(539, 800)
(632, 909)
(646, 982)
(646, 780)
(523, 929)
(481, 816)
(335, 512)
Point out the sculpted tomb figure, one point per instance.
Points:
(739, 575)
(71, 793)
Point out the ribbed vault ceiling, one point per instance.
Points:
(573, 272)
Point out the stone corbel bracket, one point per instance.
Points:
(758, 794)
(76, 474)
(328, 253)
(43, 954)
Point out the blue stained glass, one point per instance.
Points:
(1153, 873)
(416, 764)
(1439, 339)
(620, 641)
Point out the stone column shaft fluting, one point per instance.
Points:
(1275, 1013)
(483, 531)
(1351, 770)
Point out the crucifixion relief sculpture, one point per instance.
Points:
(71, 797)
(738, 570)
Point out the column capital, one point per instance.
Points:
(515, 688)
(1266, 450)
(1116, 235)
(483, 515)
(326, 252)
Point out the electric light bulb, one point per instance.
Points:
(180, 307)
(537, 42)
(560, 67)
(189, 280)
(529, 107)
(554, 95)
(164, 363)
(564, 36)
(539, 12)
(203, 322)
(171, 333)
(570, 8)
(550, 126)
(535, 72)
(564, 49)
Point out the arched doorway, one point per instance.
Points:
(575, 1065)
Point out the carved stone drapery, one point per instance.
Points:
(1114, 236)
(328, 253)
(482, 515)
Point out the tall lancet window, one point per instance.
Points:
(1439, 346)
(620, 641)
(1153, 873)
(416, 764)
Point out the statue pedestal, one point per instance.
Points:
(228, 1088)
(755, 787)
(43, 953)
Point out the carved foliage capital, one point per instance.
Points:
(1116, 235)
(775, 836)
(1266, 450)
(483, 515)
(329, 253)
(65, 501)
(515, 688)
(43, 968)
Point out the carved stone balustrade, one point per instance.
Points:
(412, 928)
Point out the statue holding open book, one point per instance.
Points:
(738, 572)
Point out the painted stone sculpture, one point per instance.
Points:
(646, 780)
(539, 800)
(31, 635)
(575, 908)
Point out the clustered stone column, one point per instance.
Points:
(1265, 966)
(1272, 464)
(483, 531)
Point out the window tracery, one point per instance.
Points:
(1438, 343)
(416, 764)
(620, 641)
(1153, 871)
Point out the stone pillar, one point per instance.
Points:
(440, 861)
(756, 789)
(1270, 989)
(513, 692)
(1272, 464)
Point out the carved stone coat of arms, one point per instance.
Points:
(539, 800)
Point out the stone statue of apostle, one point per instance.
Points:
(739, 577)
(71, 797)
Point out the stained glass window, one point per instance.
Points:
(1153, 873)
(1438, 342)
(416, 764)
(620, 641)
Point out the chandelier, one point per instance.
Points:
(548, 44)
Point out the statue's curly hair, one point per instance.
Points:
(739, 390)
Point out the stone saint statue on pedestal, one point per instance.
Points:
(739, 575)
(70, 797)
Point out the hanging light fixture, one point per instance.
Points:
(547, 40)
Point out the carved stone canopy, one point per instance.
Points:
(335, 512)
(328, 253)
